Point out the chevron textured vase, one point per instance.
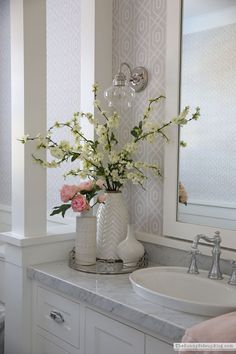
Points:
(112, 221)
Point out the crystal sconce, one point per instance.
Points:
(123, 89)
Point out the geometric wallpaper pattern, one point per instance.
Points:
(139, 40)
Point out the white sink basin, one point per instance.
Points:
(173, 287)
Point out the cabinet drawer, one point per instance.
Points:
(58, 316)
(45, 346)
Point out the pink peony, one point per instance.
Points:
(68, 192)
(80, 203)
(85, 186)
(102, 198)
(100, 183)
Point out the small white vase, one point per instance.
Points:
(130, 250)
(112, 221)
(85, 241)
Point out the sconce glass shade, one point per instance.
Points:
(122, 91)
(119, 95)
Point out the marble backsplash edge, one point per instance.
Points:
(168, 256)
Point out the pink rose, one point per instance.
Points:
(80, 203)
(100, 183)
(68, 192)
(102, 198)
(85, 186)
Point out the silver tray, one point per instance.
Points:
(106, 266)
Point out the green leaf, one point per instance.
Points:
(136, 131)
(74, 157)
(60, 209)
(113, 138)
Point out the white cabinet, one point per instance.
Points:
(105, 336)
(155, 346)
(64, 326)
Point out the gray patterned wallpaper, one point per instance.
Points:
(5, 104)
(139, 39)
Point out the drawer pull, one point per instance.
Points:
(57, 316)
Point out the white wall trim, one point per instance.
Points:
(28, 103)
(197, 212)
(209, 21)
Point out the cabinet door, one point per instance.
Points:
(155, 346)
(105, 336)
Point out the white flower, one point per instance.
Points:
(105, 157)
(56, 152)
(130, 165)
(64, 145)
(113, 121)
(181, 119)
(130, 147)
(24, 139)
(42, 143)
(115, 175)
(83, 174)
(91, 118)
(95, 87)
(113, 157)
(52, 164)
(56, 125)
(97, 157)
(101, 130)
(151, 138)
(76, 129)
(151, 126)
(136, 178)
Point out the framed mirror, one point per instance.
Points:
(201, 71)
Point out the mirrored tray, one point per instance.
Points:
(106, 267)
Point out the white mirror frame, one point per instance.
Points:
(172, 227)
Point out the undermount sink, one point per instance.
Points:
(174, 288)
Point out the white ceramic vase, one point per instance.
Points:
(85, 241)
(130, 250)
(112, 221)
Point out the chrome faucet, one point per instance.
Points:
(215, 272)
(232, 279)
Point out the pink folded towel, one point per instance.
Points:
(221, 329)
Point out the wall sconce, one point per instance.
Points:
(123, 89)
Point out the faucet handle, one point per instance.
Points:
(232, 279)
(217, 236)
(194, 251)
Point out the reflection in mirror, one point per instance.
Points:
(207, 166)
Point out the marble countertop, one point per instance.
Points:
(114, 294)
